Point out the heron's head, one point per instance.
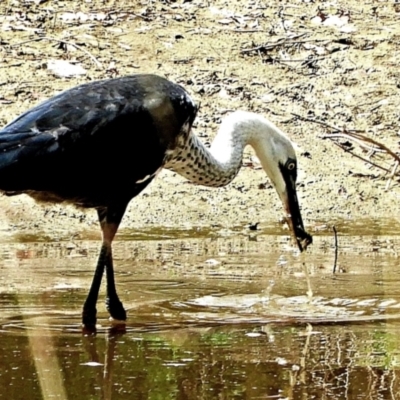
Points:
(278, 159)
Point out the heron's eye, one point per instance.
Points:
(291, 166)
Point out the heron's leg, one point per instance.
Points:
(113, 304)
(109, 225)
(109, 219)
(89, 308)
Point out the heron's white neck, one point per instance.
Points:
(218, 165)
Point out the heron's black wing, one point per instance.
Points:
(79, 114)
(101, 128)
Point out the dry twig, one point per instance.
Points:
(363, 141)
(271, 46)
(62, 41)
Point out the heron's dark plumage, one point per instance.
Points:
(90, 145)
(96, 145)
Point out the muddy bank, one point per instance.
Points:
(337, 65)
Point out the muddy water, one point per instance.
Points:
(213, 314)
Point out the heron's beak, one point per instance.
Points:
(293, 215)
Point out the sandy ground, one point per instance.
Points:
(335, 62)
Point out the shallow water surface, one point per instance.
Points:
(212, 314)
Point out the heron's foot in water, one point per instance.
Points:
(89, 317)
(115, 308)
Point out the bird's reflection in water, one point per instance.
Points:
(96, 358)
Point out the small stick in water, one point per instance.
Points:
(336, 248)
